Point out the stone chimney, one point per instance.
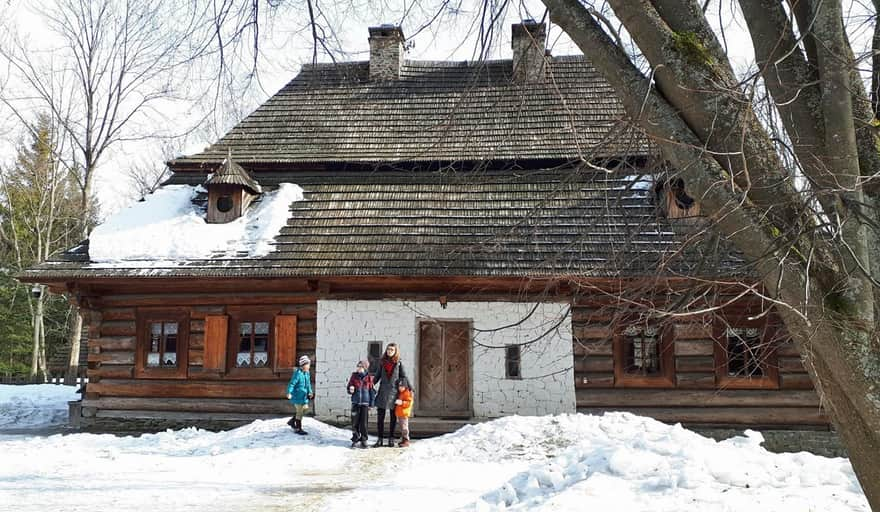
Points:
(386, 52)
(528, 41)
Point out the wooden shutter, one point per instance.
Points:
(285, 342)
(216, 334)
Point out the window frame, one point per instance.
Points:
(517, 360)
(236, 317)
(146, 317)
(769, 359)
(374, 361)
(665, 378)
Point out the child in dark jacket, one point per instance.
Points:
(363, 396)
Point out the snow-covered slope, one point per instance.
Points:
(556, 463)
(34, 406)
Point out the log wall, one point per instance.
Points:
(113, 390)
(696, 397)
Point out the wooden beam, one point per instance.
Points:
(190, 389)
(754, 417)
(695, 398)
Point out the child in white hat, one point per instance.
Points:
(299, 392)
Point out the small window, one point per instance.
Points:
(641, 351)
(374, 353)
(253, 346)
(512, 364)
(224, 204)
(162, 352)
(643, 356)
(162, 344)
(744, 354)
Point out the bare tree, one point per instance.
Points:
(117, 65)
(815, 246)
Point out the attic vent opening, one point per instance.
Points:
(224, 203)
(674, 201)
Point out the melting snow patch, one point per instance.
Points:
(167, 228)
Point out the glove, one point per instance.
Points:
(311, 396)
(398, 401)
(350, 389)
(288, 396)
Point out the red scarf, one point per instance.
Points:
(389, 367)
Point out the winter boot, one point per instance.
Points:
(404, 443)
(292, 423)
(298, 427)
(363, 443)
(378, 443)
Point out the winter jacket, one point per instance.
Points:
(404, 410)
(364, 392)
(387, 384)
(300, 387)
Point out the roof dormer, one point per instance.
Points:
(230, 190)
(674, 201)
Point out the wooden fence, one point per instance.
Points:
(19, 380)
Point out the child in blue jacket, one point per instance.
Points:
(363, 396)
(299, 392)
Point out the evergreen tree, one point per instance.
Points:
(39, 215)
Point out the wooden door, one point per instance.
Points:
(444, 368)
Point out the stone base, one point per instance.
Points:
(819, 442)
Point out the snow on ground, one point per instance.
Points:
(166, 227)
(34, 406)
(567, 462)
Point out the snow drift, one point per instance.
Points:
(168, 227)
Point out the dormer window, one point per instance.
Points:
(674, 201)
(230, 190)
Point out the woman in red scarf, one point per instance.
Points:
(388, 372)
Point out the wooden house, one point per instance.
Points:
(501, 221)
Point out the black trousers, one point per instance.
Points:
(380, 420)
(360, 415)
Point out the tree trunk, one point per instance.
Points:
(829, 324)
(76, 324)
(38, 357)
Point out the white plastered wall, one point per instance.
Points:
(345, 329)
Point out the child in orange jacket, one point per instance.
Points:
(403, 410)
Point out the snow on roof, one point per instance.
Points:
(167, 227)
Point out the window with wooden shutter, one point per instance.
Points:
(162, 343)
(285, 342)
(216, 328)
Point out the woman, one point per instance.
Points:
(389, 371)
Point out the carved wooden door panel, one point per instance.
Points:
(457, 354)
(444, 368)
(431, 372)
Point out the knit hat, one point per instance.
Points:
(304, 360)
(364, 364)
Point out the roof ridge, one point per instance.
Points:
(436, 63)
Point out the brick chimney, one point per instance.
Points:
(528, 42)
(386, 52)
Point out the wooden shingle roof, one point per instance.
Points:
(437, 111)
(547, 223)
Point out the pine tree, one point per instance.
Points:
(38, 216)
